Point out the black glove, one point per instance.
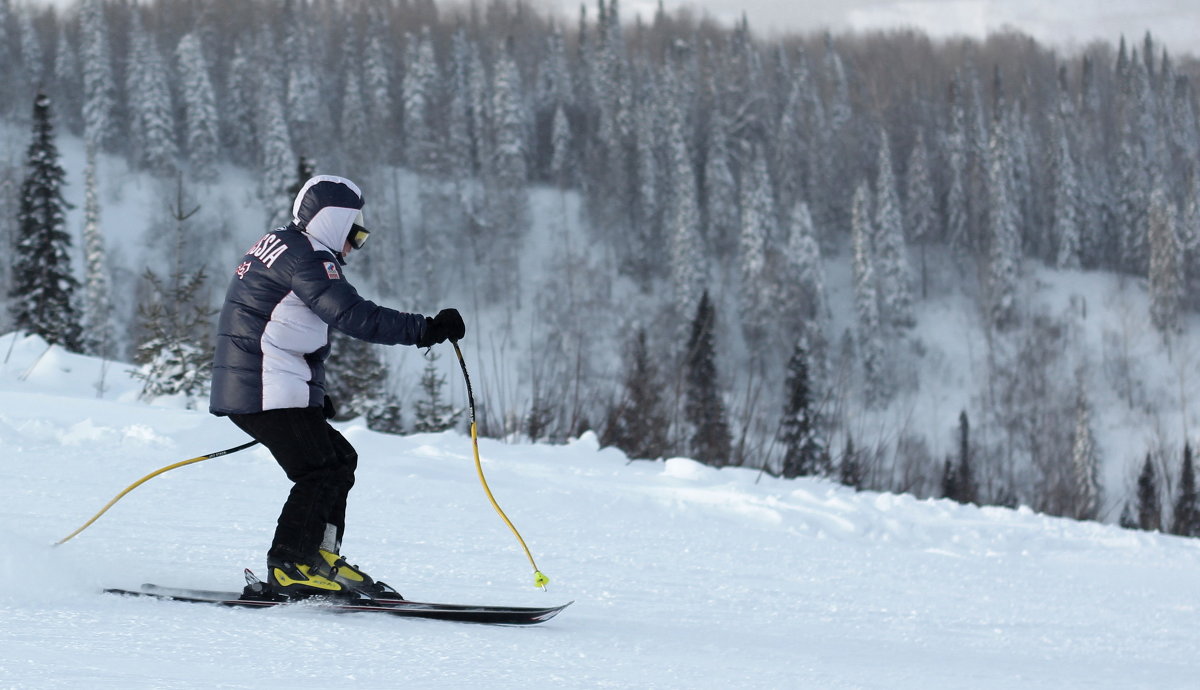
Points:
(447, 325)
(328, 409)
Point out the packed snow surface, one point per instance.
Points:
(683, 576)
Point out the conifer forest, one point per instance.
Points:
(744, 233)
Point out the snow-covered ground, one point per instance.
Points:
(683, 576)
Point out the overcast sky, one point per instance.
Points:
(1066, 24)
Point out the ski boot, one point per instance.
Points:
(352, 578)
(293, 580)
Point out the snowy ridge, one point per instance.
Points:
(684, 575)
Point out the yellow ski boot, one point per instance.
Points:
(298, 580)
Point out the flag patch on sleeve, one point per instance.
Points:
(331, 270)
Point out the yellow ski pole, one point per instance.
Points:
(148, 477)
(539, 579)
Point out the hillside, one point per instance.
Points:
(1085, 331)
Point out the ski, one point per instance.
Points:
(463, 613)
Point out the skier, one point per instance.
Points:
(269, 375)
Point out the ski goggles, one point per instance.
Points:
(358, 234)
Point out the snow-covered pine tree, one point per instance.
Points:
(820, 157)
(704, 411)
(958, 214)
(31, 49)
(420, 75)
(1096, 199)
(840, 111)
(687, 261)
(507, 177)
(837, 175)
(638, 424)
(357, 141)
(1189, 229)
(1066, 216)
(978, 138)
(615, 47)
(614, 92)
(510, 122)
(152, 115)
(1185, 521)
(552, 92)
(1033, 230)
(341, 379)
(1004, 246)
(920, 207)
(644, 252)
(134, 77)
(1149, 505)
(1166, 271)
(176, 355)
(431, 412)
(307, 108)
(174, 359)
(10, 48)
(1185, 132)
(376, 83)
(1131, 206)
(793, 149)
(1131, 163)
(99, 85)
(891, 254)
(68, 82)
(721, 190)
(585, 65)
(442, 179)
(597, 93)
(356, 378)
(43, 285)
(866, 301)
(757, 216)
(241, 115)
(462, 155)
(201, 130)
(98, 324)
(562, 165)
(802, 286)
(1065, 241)
(479, 115)
(386, 417)
(1085, 463)
(1148, 126)
(277, 161)
(806, 452)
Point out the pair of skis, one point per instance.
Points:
(463, 613)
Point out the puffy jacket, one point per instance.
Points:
(289, 288)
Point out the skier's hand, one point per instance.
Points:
(447, 325)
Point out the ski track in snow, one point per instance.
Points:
(684, 576)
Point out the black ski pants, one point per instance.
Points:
(319, 461)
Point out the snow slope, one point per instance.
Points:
(683, 576)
